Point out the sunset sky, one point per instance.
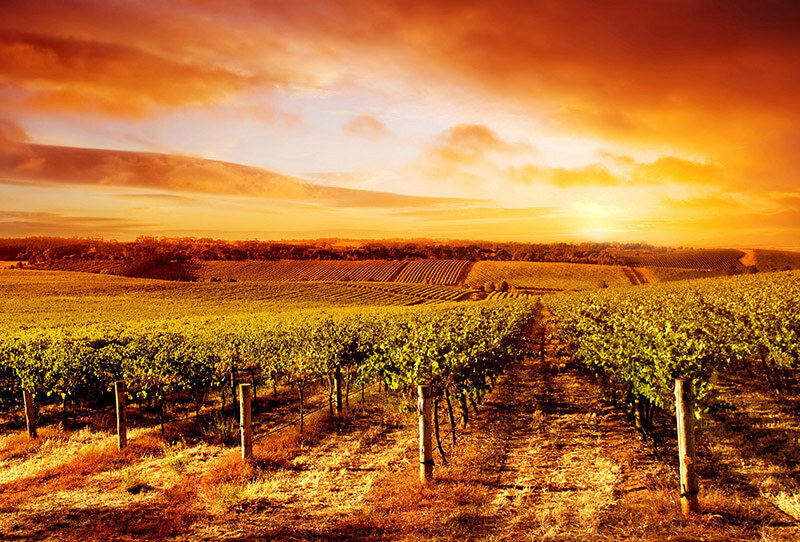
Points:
(671, 122)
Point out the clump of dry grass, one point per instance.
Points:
(789, 503)
(277, 451)
(230, 483)
(221, 430)
(133, 483)
(175, 458)
(62, 460)
(19, 445)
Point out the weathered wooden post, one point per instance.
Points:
(337, 382)
(425, 434)
(245, 419)
(684, 412)
(122, 414)
(30, 413)
(638, 413)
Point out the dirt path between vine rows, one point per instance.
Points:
(561, 464)
(553, 460)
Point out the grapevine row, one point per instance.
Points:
(644, 338)
(457, 349)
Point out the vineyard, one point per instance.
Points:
(776, 260)
(86, 266)
(668, 274)
(158, 358)
(506, 295)
(52, 299)
(707, 259)
(442, 272)
(503, 365)
(642, 339)
(413, 293)
(79, 347)
(547, 276)
(281, 270)
(434, 271)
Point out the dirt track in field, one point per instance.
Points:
(562, 461)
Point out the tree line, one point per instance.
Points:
(40, 250)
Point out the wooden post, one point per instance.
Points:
(337, 382)
(30, 413)
(637, 413)
(684, 412)
(245, 419)
(122, 414)
(425, 434)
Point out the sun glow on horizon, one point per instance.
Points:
(496, 121)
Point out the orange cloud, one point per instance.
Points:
(677, 170)
(76, 75)
(467, 144)
(483, 214)
(21, 223)
(714, 203)
(593, 175)
(39, 164)
(710, 76)
(367, 126)
(11, 133)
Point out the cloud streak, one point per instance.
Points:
(47, 164)
(24, 223)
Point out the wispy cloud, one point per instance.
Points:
(367, 126)
(23, 223)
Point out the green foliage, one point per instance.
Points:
(461, 346)
(646, 337)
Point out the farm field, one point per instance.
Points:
(281, 270)
(53, 298)
(531, 401)
(547, 276)
(776, 260)
(721, 259)
(667, 274)
(434, 271)
(547, 456)
(525, 275)
(416, 292)
(442, 272)
(86, 266)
